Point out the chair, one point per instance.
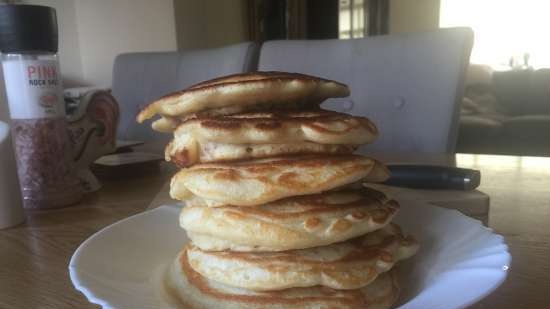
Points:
(139, 78)
(410, 85)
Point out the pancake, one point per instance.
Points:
(293, 223)
(191, 290)
(257, 182)
(207, 152)
(166, 124)
(346, 265)
(267, 134)
(241, 92)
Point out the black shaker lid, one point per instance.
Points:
(26, 28)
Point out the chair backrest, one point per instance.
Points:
(408, 84)
(139, 78)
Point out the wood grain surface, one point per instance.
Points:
(34, 256)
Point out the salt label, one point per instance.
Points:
(40, 95)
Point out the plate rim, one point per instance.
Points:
(93, 298)
(90, 296)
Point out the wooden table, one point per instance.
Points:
(34, 256)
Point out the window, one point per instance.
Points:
(507, 32)
(351, 19)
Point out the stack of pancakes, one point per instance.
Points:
(276, 209)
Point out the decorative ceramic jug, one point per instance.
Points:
(92, 133)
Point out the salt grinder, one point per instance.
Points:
(29, 42)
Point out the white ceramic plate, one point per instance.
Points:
(459, 262)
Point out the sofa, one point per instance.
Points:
(506, 112)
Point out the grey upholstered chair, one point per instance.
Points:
(139, 78)
(410, 85)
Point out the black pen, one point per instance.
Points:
(433, 177)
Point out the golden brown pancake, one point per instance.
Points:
(166, 124)
(193, 153)
(296, 222)
(345, 265)
(191, 290)
(257, 182)
(241, 92)
(267, 134)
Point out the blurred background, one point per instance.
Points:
(506, 105)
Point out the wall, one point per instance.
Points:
(107, 28)
(413, 15)
(210, 23)
(69, 46)
(93, 32)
